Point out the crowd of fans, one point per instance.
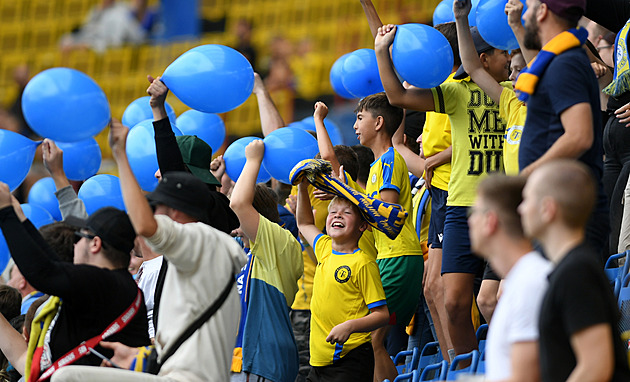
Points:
(496, 196)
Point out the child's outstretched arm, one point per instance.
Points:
(270, 118)
(243, 193)
(378, 317)
(514, 9)
(326, 149)
(304, 214)
(372, 16)
(414, 98)
(468, 53)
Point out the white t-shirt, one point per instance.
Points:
(515, 318)
(147, 283)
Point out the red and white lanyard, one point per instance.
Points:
(83, 349)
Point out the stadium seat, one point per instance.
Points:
(407, 367)
(429, 355)
(435, 372)
(481, 366)
(624, 305)
(615, 273)
(453, 370)
(413, 376)
(482, 333)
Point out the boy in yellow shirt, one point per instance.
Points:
(348, 300)
(400, 261)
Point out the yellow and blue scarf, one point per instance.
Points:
(388, 218)
(621, 78)
(528, 79)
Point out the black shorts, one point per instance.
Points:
(357, 365)
(438, 215)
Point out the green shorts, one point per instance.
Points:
(402, 281)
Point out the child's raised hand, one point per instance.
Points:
(321, 111)
(255, 150)
(385, 36)
(217, 167)
(52, 157)
(158, 92)
(340, 333)
(259, 85)
(117, 136)
(461, 8)
(514, 10)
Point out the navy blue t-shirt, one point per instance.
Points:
(567, 81)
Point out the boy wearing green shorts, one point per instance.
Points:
(348, 300)
(400, 261)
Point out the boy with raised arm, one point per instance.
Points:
(400, 261)
(348, 299)
(477, 140)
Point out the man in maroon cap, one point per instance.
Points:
(562, 94)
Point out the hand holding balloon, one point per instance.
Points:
(52, 157)
(118, 138)
(461, 8)
(255, 151)
(385, 36)
(158, 92)
(514, 10)
(5, 195)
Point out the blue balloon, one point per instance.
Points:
(82, 159)
(334, 133)
(208, 127)
(100, 191)
(140, 109)
(16, 156)
(443, 13)
(336, 80)
(493, 26)
(360, 75)
(37, 215)
(284, 148)
(422, 55)
(4, 253)
(234, 158)
(65, 105)
(211, 78)
(142, 155)
(42, 194)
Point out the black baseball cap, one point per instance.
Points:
(481, 46)
(111, 225)
(184, 192)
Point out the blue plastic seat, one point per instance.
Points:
(434, 372)
(482, 333)
(616, 274)
(453, 371)
(407, 367)
(430, 355)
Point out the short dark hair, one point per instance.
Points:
(61, 239)
(378, 105)
(348, 158)
(366, 157)
(10, 302)
(266, 202)
(449, 30)
(505, 193)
